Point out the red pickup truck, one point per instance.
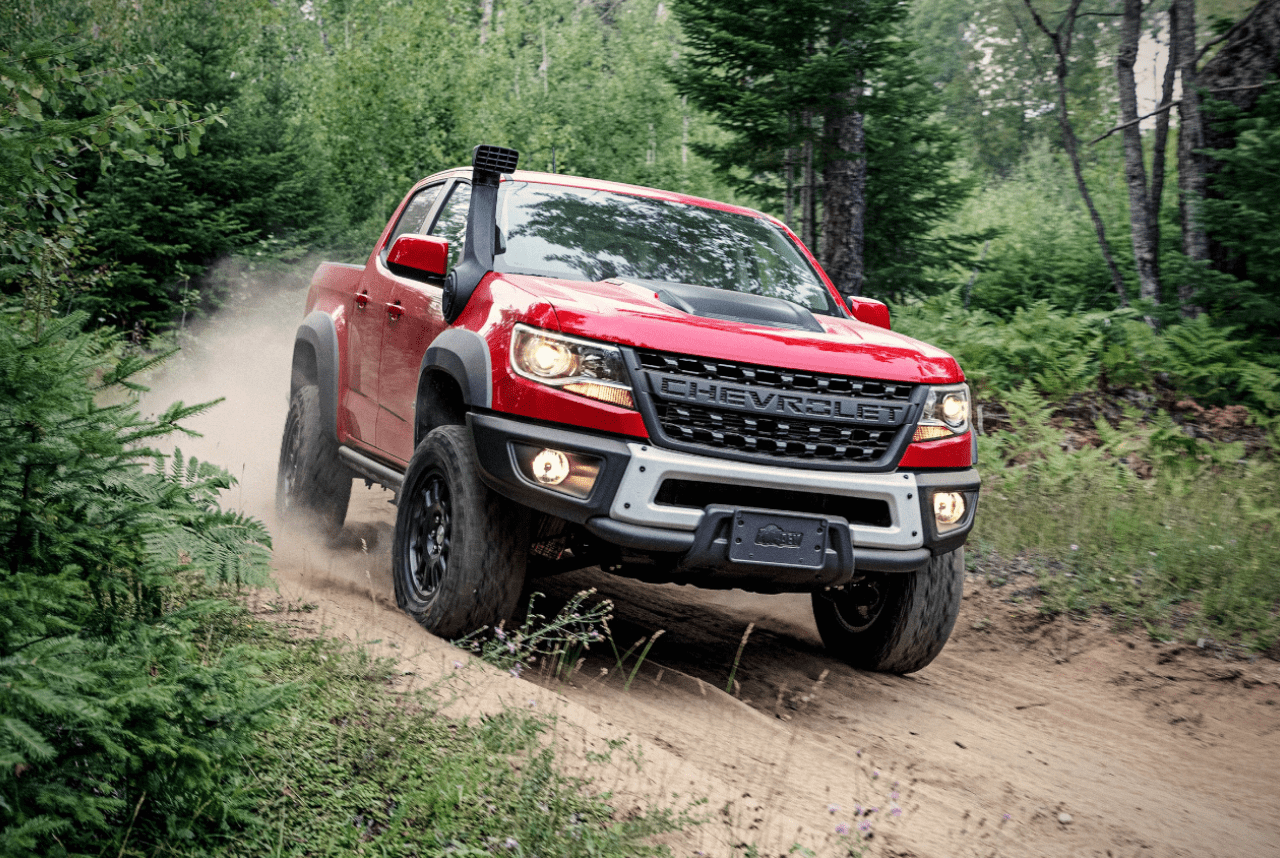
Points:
(554, 372)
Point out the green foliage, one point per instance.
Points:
(769, 73)
(994, 74)
(53, 109)
(114, 723)
(1044, 247)
(363, 765)
(1243, 216)
(1060, 353)
(1189, 550)
(256, 181)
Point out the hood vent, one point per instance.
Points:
(741, 307)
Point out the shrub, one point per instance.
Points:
(114, 722)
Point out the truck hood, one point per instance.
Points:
(634, 314)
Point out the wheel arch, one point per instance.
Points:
(454, 378)
(316, 361)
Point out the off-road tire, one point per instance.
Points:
(459, 554)
(313, 487)
(893, 622)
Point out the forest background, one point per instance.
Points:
(970, 163)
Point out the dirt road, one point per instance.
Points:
(1027, 737)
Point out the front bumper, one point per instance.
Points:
(681, 504)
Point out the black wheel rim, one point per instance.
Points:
(430, 535)
(290, 460)
(861, 604)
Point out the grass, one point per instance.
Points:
(1175, 534)
(358, 764)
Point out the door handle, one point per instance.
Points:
(362, 299)
(394, 311)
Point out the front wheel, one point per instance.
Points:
(893, 622)
(459, 554)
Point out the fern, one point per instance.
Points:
(110, 715)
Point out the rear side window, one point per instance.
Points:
(413, 219)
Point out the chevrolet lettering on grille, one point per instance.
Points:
(764, 401)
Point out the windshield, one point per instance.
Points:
(578, 234)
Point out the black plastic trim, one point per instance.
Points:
(639, 537)
(965, 480)
(464, 355)
(318, 331)
(494, 436)
(890, 560)
(708, 559)
(488, 165)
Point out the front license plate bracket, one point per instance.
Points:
(778, 539)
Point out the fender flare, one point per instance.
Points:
(463, 355)
(321, 334)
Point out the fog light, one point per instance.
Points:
(550, 467)
(563, 471)
(948, 508)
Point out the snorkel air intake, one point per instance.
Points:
(488, 163)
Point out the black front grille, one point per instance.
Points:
(724, 421)
(799, 439)
(775, 378)
(695, 494)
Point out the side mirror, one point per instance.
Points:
(868, 310)
(419, 256)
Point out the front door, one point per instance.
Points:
(414, 321)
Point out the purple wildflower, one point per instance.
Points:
(457, 665)
(897, 811)
(833, 808)
(515, 670)
(842, 828)
(502, 637)
(864, 827)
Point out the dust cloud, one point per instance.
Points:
(241, 355)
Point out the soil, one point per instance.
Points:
(1028, 736)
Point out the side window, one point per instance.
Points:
(414, 218)
(452, 223)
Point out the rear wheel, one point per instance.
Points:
(459, 555)
(893, 622)
(313, 487)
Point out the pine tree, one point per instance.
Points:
(822, 101)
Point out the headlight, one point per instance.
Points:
(946, 413)
(588, 369)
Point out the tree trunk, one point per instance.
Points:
(1135, 173)
(1160, 143)
(844, 195)
(808, 226)
(789, 207)
(1191, 181)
